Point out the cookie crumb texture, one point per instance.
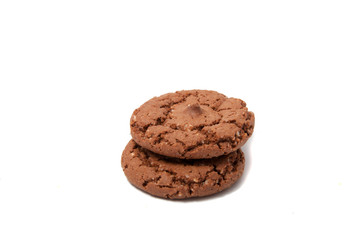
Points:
(175, 179)
(193, 124)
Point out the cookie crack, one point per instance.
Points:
(172, 195)
(232, 141)
(160, 120)
(190, 187)
(145, 183)
(189, 183)
(218, 172)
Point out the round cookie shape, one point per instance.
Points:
(179, 179)
(194, 124)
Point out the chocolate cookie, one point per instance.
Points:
(193, 124)
(178, 179)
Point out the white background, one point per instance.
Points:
(72, 72)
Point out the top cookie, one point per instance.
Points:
(194, 124)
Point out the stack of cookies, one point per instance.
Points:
(187, 144)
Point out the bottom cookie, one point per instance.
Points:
(178, 179)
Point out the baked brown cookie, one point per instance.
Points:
(193, 124)
(178, 179)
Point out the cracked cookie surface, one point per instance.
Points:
(194, 124)
(179, 179)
